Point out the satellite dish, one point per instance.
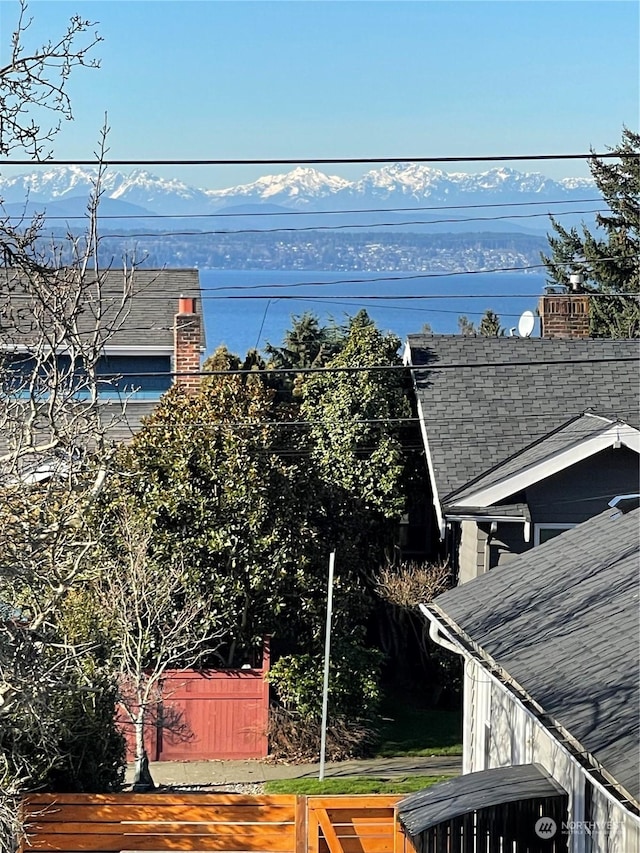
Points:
(526, 324)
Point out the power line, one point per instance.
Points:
(349, 226)
(368, 368)
(414, 297)
(163, 293)
(333, 212)
(306, 161)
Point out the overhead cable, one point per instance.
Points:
(334, 212)
(349, 226)
(310, 161)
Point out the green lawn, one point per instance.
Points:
(352, 785)
(409, 730)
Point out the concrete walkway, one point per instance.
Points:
(220, 773)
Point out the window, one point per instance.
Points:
(545, 531)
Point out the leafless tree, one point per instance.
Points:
(410, 584)
(402, 588)
(55, 319)
(156, 624)
(33, 84)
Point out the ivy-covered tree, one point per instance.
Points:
(609, 260)
(223, 489)
(356, 419)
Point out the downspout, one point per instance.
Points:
(467, 729)
(436, 636)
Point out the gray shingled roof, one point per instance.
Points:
(577, 430)
(562, 621)
(503, 394)
(471, 791)
(150, 313)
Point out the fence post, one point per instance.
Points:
(301, 824)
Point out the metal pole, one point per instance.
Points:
(327, 651)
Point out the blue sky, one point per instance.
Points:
(307, 78)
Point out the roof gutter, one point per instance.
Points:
(439, 638)
(451, 636)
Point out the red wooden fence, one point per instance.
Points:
(222, 714)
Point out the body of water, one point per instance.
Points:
(248, 308)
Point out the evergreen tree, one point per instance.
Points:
(490, 325)
(610, 260)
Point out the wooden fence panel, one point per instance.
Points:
(112, 823)
(105, 823)
(352, 824)
(220, 714)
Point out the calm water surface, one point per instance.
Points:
(268, 299)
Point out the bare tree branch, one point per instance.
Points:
(33, 84)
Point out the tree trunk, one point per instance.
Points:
(142, 780)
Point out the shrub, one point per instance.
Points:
(353, 703)
(295, 738)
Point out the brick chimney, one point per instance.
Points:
(565, 315)
(187, 345)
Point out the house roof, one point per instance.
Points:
(482, 400)
(552, 447)
(562, 621)
(473, 791)
(147, 322)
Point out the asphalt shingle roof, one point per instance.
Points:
(504, 394)
(562, 621)
(471, 791)
(149, 315)
(578, 429)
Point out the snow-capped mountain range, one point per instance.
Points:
(401, 185)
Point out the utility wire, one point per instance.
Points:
(334, 212)
(374, 367)
(306, 161)
(164, 293)
(322, 299)
(350, 226)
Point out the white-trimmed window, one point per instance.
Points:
(548, 530)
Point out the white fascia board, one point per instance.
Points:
(116, 349)
(472, 652)
(406, 356)
(503, 519)
(615, 436)
(434, 489)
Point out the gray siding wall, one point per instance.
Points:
(507, 542)
(471, 552)
(584, 490)
(570, 497)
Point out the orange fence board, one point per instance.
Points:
(109, 823)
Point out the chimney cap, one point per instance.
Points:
(576, 280)
(186, 305)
